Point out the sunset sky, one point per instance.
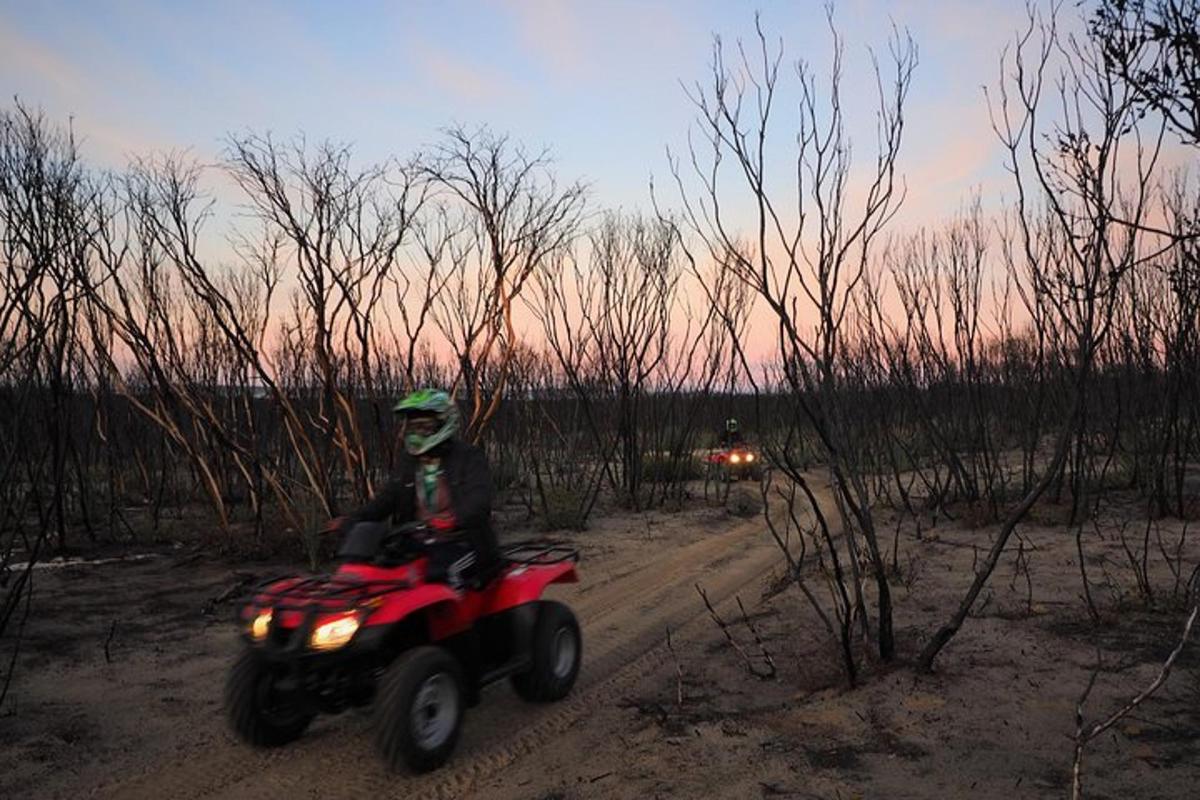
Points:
(597, 82)
(601, 84)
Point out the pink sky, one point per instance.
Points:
(601, 84)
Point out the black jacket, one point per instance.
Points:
(731, 439)
(470, 481)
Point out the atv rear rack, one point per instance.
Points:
(533, 553)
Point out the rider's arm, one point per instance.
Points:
(387, 502)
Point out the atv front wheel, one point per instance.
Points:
(419, 709)
(260, 709)
(557, 653)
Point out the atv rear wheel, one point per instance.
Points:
(419, 709)
(557, 654)
(259, 710)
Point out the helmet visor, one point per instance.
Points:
(420, 424)
(424, 431)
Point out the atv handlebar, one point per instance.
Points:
(412, 538)
(343, 525)
(405, 541)
(372, 540)
(413, 528)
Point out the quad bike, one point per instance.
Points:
(377, 632)
(734, 463)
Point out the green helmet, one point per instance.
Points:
(434, 403)
(731, 425)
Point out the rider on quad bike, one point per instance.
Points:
(732, 435)
(443, 483)
(414, 620)
(734, 459)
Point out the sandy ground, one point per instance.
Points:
(995, 721)
(150, 724)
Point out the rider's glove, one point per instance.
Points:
(335, 525)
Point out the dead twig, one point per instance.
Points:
(186, 560)
(234, 590)
(1087, 588)
(1083, 734)
(1175, 562)
(647, 708)
(896, 545)
(1021, 567)
(750, 666)
(112, 631)
(766, 654)
(1137, 562)
(678, 670)
(794, 562)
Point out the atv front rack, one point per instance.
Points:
(329, 593)
(533, 553)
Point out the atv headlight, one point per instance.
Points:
(261, 625)
(749, 457)
(334, 633)
(735, 459)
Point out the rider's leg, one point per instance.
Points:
(451, 562)
(460, 570)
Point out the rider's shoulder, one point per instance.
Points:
(462, 449)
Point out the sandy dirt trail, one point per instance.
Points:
(627, 598)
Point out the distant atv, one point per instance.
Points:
(375, 631)
(734, 463)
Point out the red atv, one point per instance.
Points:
(734, 463)
(376, 631)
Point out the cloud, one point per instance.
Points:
(19, 55)
(43, 79)
(551, 30)
(461, 79)
(954, 161)
(602, 42)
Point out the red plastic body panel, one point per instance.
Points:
(518, 585)
(721, 456)
(449, 612)
(523, 583)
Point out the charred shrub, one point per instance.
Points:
(565, 508)
(744, 503)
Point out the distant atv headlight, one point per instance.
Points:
(735, 459)
(261, 625)
(749, 457)
(334, 633)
